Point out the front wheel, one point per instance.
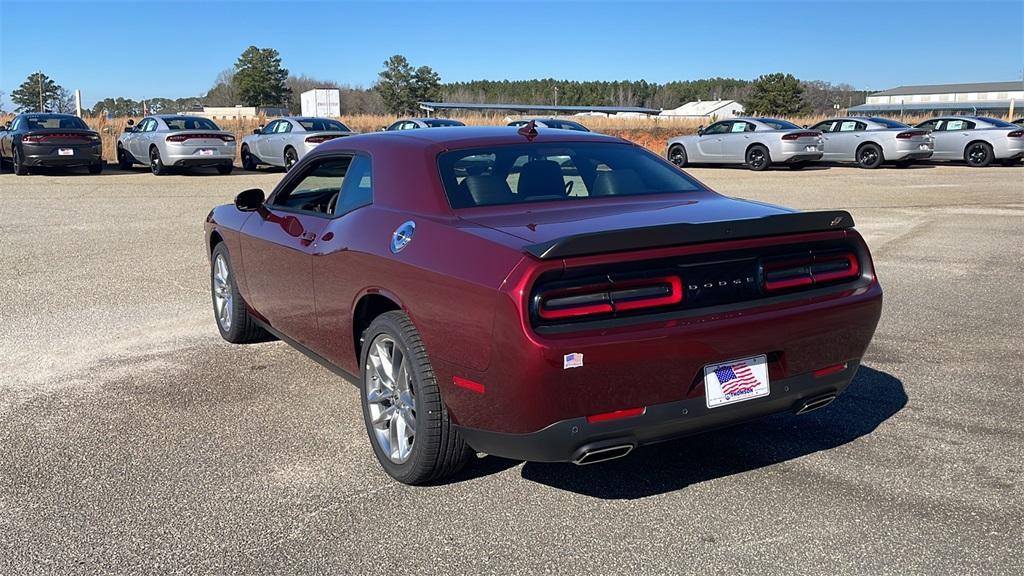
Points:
(248, 160)
(290, 158)
(124, 161)
(978, 154)
(408, 424)
(869, 156)
(758, 158)
(234, 322)
(677, 155)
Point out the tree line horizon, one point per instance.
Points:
(258, 78)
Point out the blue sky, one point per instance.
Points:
(174, 49)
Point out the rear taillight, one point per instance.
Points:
(319, 139)
(798, 135)
(184, 137)
(1016, 134)
(610, 297)
(911, 134)
(37, 138)
(809, 269)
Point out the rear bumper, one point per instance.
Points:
(49, 155)
(200, 162)
(568, 440)
(918, 155)
(801, 157)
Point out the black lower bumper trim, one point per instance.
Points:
(62, 161)
(569, 440)
(809, 157)
(200, 163)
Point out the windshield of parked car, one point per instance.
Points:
(439, 123)
(889, 123)
(190, 123)
(778, 124)
(42, 121)
(997, 122)
(518, 174)
(323, 125)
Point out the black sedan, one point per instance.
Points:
(57, 140)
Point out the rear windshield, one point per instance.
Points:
(54, 121)
(566, 125)
(322, 125)
(997, 122)
(889, 123)
(439, 123)
(190, 123)
(518, 174)
(779, 124)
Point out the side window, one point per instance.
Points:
(17, 123)
(718, 128)
(272, 127)
(317, 189)
(356, 187)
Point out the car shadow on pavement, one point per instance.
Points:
(872, 398)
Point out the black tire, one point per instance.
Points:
(19, 166)
(156, 164)
(96, 168)
(225, 169)
(124, 160)
(677, 155)
(978, 154)
(870, 156)
(239, 327)
(290, 158)
(249, 162)
(437, 450)
(798, 165)
(758, 158)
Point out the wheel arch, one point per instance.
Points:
(370, 305)
(752, 145)
(978, 141)
(215, 239)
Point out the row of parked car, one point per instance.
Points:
(170, 141)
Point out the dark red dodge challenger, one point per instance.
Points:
(540, 294)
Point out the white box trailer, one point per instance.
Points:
(321, 102)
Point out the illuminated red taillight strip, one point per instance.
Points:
(829, 370)
(611, 297)
(810, 269)
(36, 138)
(798, 135)
(321, 138)
(911, 134)
(468, 385)
(184, 137)
(1016, 134)
(616, 415)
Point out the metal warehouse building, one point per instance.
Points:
(976, 98)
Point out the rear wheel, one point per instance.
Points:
(978, 154)
(225, 169)
(96, 168)
(18, 163)
(156, 164)
(290, 158)
(677, 155)
(234, 322)
(758, 158)
(124, 161)
(869, 156)
(408, 424)
(248, 160)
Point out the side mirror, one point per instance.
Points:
(128, 129)
(806, 126)
(131, 122)
(257, 131)
(383, 129)
(700, 130)
(249, 200)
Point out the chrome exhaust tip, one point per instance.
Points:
(603, 454)
(815, 403)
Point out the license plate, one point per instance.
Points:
(65, 152)
(206, 152)
(811, 148)
(735, 381)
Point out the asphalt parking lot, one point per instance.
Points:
(133, 439)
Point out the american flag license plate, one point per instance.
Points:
(736, 381)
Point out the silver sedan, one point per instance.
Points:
(166, 141)
(285, 140)
(756, 142)
(871, 141)
(976, 140)
(414, 123)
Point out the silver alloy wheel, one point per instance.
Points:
(222, 296)
(390, 398)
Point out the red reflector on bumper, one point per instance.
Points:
(468, 385)
(829, 370)
(627, 413)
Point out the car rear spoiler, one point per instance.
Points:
(683, 233)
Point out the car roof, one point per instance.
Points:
(51, 114)
(467, 137)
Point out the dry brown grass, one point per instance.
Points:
(652, 133)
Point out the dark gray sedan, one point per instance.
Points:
(58, 140)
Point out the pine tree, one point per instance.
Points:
(259, 78)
